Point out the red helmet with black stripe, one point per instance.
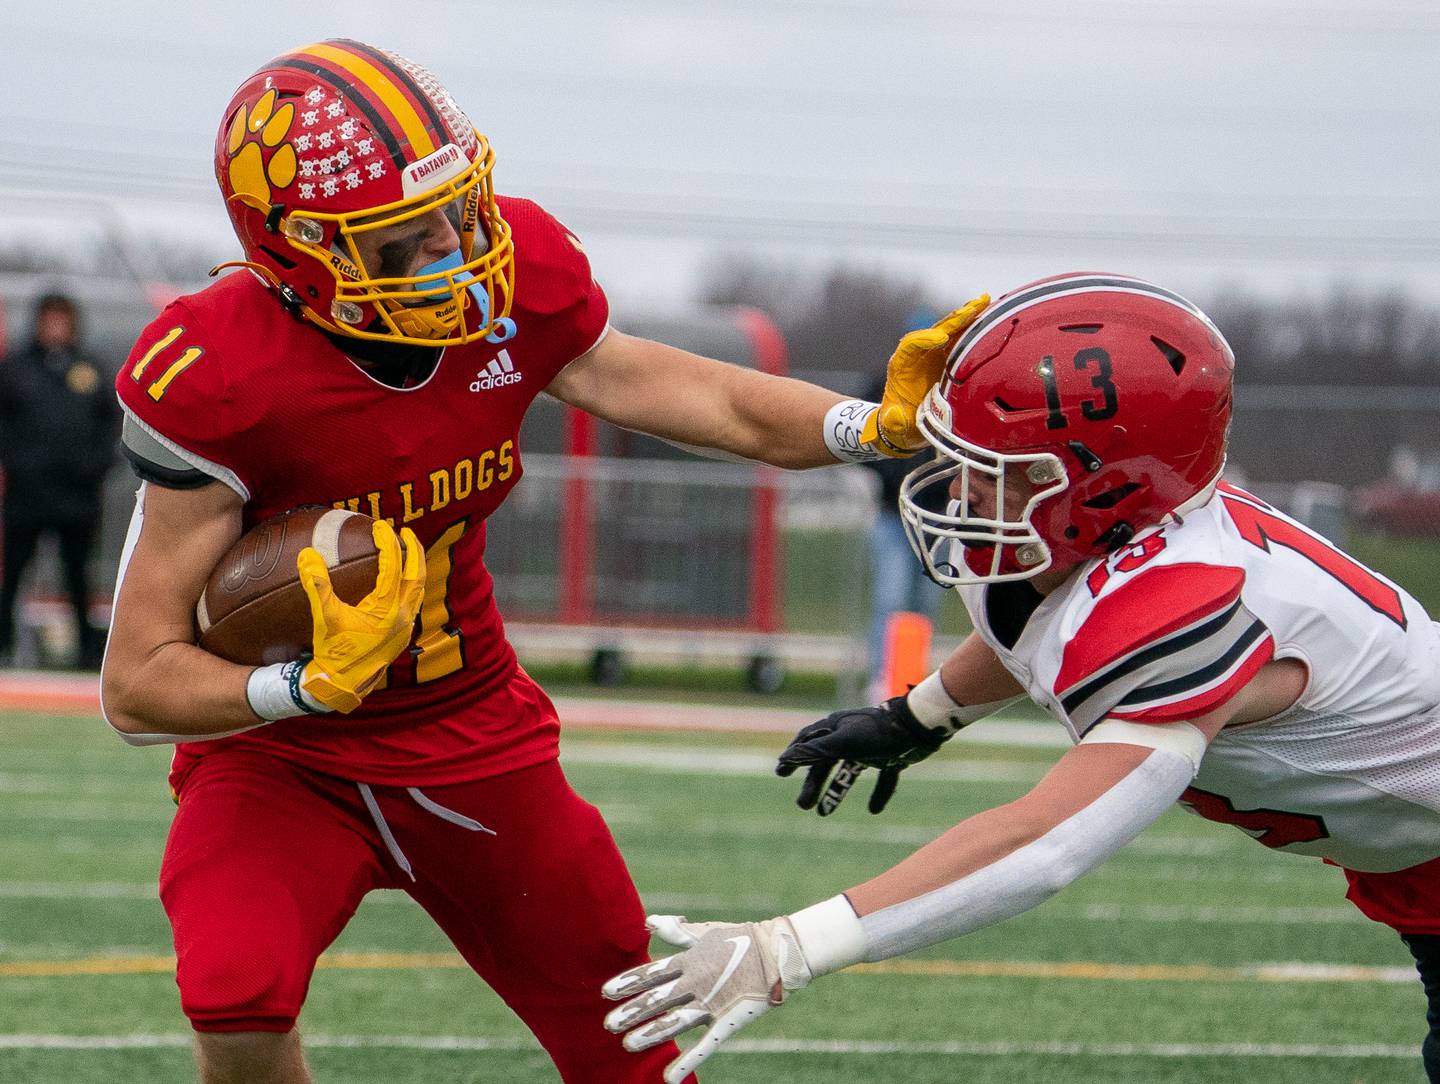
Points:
(337, 140)
(1100, 402)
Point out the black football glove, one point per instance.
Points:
(887, 737)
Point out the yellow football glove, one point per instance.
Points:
(915, 368)
(354, 644)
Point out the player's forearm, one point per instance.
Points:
(974, 675)
(174, 691)
(780, 421)
(741, 412)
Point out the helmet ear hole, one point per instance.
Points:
(283, 261)
(1111, 497)
(1172, 355)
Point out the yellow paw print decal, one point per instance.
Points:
(251, 174)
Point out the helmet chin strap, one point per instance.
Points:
(467, 279)
(429, 318)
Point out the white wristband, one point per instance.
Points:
(844, 422)
(830, 935)
(935, 708)
(275, 693)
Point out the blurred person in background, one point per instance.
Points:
(58, 427)
(898, 583)
(1197, 645)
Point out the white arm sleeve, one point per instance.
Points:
(1032, 874)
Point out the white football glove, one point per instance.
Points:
(730, 973)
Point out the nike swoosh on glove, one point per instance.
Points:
(729, 974)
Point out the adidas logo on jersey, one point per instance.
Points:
(497, 374)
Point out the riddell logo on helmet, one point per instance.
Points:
(345, 267)
(499, 373)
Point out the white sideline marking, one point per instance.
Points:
(59, 784)
(672, 759)
(678, 901)
(479, 1044)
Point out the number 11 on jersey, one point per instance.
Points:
(439, 648)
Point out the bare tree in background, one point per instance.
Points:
(840, 324)
(1347, 338)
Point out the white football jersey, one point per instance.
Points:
(1174, 624)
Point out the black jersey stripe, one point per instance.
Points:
(1169, 690)
(1172, 644)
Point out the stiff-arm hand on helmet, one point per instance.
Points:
(914, 368)
(354, 644)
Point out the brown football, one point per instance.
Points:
(253, 609)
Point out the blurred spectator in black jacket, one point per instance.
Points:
(58, 426)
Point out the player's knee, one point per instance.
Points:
(235, 985)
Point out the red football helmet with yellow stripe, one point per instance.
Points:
(336, 140)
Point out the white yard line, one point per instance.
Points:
(62, 784)
(77, 890)
(158, 813)
(1203, 915)
(1198, 914)
(481, 1044)
(587, 713)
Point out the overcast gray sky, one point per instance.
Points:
(1280, 145)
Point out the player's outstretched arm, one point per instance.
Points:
(990, 867)
(971, 684)
(706, 404)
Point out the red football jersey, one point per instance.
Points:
(233, 384)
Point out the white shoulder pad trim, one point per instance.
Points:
(604, 334)
(1182, 738)
(200, 463)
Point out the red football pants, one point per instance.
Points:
(1407, 900)
(267, 861)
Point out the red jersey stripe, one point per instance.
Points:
(1156, 603)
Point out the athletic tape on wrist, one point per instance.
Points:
(933, 706)
(829, 935)
(844, 422)
(274, 692)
